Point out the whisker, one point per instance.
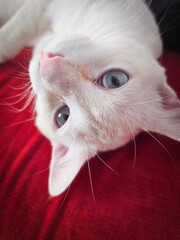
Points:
(140, 123)
(21, 94)
(140, 13)
(41, 171)
(152, 100)
(107, 165)
(31, 95)
(23, 86)
(91, 184)
(135, 115)
(62, 203)
(150, 39)
(134, 140)
(161, 34)
(140, 117)
(21, 74)
(170, 156)
(103, 160)
(23, 67)
(139, 95)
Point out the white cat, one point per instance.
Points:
(95, 73)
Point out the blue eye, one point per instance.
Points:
(62, 116)
(113, 79)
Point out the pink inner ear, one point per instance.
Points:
(169, 97)
(65, 164)
(60, 151)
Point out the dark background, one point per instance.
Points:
(167, 13)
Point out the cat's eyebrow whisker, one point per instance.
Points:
(99, 37)
(152, 35)
(138, 15)
(96, 25)
(91, 183)
(155, 38)
(134, 140)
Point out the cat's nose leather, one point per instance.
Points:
(47, 62)
(57, 72)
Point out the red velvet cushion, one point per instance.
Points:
(140, 203)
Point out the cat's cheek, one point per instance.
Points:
(167, 121)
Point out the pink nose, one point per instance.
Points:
(48, 62)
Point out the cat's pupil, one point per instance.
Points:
(66, 117)
(115, 81)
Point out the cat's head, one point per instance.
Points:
(95, 96)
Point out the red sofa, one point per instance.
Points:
(140, 202)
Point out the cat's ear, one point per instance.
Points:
(168, 121)
(65, 164)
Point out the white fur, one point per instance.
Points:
(94, 37)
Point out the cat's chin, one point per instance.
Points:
(120, 141)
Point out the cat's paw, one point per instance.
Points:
(5, 55)
(3, 59)
(4, 51)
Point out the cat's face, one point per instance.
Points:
(95, 96)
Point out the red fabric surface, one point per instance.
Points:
(140, 203)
